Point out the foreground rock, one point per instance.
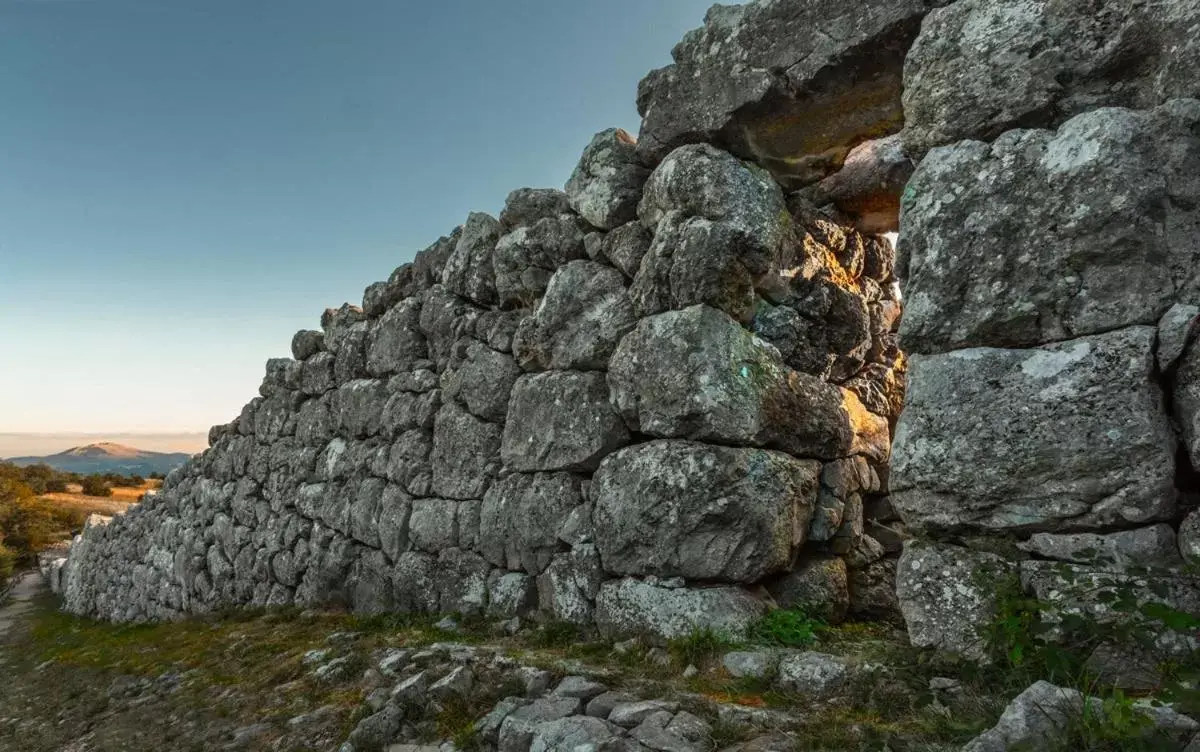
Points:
(1045, 715)
(947, 595)
(1067, 437)
(696, 374)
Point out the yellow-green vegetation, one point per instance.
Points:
(29, 524)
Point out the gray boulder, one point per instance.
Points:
(526, 206)
(777, 81)
(982, 67)
(528, 256)
(1044, 716)
(481, 382)
(469, 271)
(395, 342)
(812, 673)
(560, 421)
(819, 585)
(703, 512)
(625, 247)
(694, 261)
(569, 585)
(307, 343)
(465, 455)
(607, 184)
(696, 374)
(947, 594)
(1176, 329)
(1066, 437)
(523, 517)
(1053, 235)
(579, 321)
(633, 607)
(703, 182)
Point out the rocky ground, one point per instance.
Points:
(293, 680)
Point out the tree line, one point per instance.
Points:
(29, 523)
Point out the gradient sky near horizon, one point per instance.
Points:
(185, 183)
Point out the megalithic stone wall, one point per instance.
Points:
(1050, 254)
(656, 401)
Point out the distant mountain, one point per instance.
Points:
(106, 457)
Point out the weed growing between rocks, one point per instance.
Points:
(786, 627)
(1120, 636)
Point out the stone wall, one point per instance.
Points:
(658, 400)
(1051, 265)
(665, 397)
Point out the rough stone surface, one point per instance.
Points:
(607, 184)
(560, 421)
(678, 508)
(1147, 547)
(696, 374)
(583, 315)
(981, 67)
(1176, 329)
(469, 270)
(1076, 260)
(795, 85)
(1044, 715)
(633, 607)
(947, 594)
(869, 185)
(1067, 437)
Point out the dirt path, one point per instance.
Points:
(20, 600)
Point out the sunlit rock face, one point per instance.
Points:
(632, 404)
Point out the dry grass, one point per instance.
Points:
(123, 497)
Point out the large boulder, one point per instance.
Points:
(579, 321)
(1066, 437)
(704, 182)
(947, 595)
(634, 607)
(792, 84)
(703, 512)
(981, 67)
(1053, 235)
(607, 184)
(481, 381)
(697, 374)
(561, 420)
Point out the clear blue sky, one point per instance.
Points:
(183, 184)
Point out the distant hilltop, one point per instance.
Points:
(108, 457)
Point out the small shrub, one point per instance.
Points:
(555, 634)
(699, 647)
(789, 627)
(95, 485)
